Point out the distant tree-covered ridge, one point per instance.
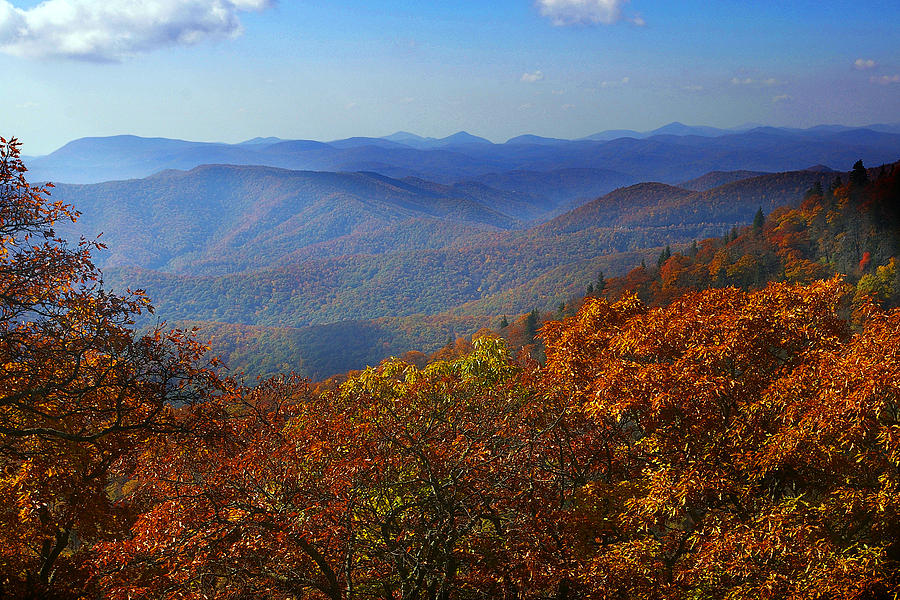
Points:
(272, 259)
(833, 228)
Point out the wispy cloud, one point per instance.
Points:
(574, 12)
(885, 79)
(615, 83)
(692, 88)
(568, 106)
(751, 81)
(781, 98)
(532, 77)
(111, 30)
(863, 64)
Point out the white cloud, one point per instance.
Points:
(782, 98)
(568, 106)
(885, 79)
(532, 77)
(693, 88)
(574, 12)
(638, 20)
(104, 30)
(527, 106)
(863, 64)
(558, 92)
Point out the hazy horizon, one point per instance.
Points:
(230, 70)
(737, 129)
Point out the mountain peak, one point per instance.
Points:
(464, 137)
(261, 140)
(403, 136)
(534, 139)
(678, 128)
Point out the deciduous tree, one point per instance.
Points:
(79, 391)
(752, 440)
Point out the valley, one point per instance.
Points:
(334, 267)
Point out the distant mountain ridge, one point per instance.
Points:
(307, 248)
(658, 204)
(670, 154)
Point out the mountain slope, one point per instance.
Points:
(167, 221)
(609, 209)
(716, 178)
(660, 205)
(403, 262)
(388, 277)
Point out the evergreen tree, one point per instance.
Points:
(504, 322)
(531, 325)
(759, 220)
(663, 257)
(858, 176)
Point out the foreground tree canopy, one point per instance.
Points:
(726, 445)
(80, 393)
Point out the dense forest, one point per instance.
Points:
(271, 254)
(721, 423)
(811, 228)
(848, 229)
(285, 245)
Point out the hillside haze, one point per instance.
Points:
(446, 235)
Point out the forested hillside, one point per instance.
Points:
(401, 267)
(847, 228)
(276, 252)
(226, 218)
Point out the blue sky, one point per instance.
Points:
(228, 70)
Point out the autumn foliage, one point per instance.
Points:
(851, 229)
(752, 442)
(723, 444)
(79, 392)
